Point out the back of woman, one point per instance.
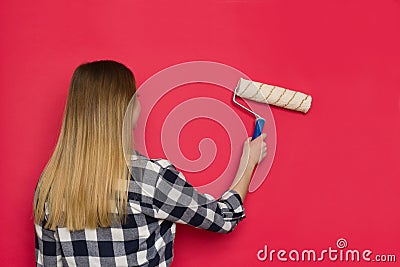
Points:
(92, 210)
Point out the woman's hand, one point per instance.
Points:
(253, 153)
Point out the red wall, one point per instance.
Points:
(336, 170)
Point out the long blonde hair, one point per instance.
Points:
(84, 184)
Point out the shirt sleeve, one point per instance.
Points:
(178, 201)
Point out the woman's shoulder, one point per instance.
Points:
(148, 170)
(140, 160)
(146, 173)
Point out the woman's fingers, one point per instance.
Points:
(263, 153)
(255, 149)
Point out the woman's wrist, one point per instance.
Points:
(248, 163)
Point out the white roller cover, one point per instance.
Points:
(273, 95)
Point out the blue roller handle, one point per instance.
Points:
(259, 127)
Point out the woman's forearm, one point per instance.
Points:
(242, 179)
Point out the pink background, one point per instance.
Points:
(336, 170)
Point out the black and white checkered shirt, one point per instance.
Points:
(159, 197)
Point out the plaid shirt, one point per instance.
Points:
(159, 197)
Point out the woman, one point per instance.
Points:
(91, 210)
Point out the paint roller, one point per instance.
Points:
(272, 95)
